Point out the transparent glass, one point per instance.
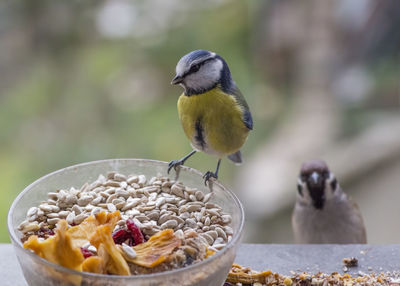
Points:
(38, 271)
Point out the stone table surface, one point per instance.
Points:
(281, 258)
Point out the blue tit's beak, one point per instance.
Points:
(177, 80)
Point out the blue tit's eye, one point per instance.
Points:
(194, 68)
(300, 189)
(334, 184)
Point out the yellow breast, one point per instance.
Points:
(213, 122)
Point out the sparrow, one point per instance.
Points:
(323, 213)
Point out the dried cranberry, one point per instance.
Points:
(120, 236)
(135, 230)
(131, 242)
(45, 232)
(86, 253)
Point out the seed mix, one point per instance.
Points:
(154, 205)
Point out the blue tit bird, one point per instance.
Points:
(213, 112)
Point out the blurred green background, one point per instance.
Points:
(83, 81)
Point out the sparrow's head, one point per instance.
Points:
(200, 71)
(316, 184)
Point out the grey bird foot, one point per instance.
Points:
(175, 164)
(207, 176)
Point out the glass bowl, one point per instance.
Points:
(38, 271)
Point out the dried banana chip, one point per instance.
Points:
(58, 249)
(81, 233)
(238, 274)
(94, 264)
(156, 250)
(106, 248)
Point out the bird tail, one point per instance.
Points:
(236, 157)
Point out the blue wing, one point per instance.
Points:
(247, 118)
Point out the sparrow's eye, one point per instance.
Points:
(325, 174)
(300, 189)
(194, 68)
(334, 184)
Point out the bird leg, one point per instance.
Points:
(208, 175)
(175, 163)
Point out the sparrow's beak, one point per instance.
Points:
(314, 177)
(177, 80)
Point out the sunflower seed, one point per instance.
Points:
(111, 207)
(208, 238)
(95, 211)
(129, 251)
(141, 179)
(119, 177)
(111, 198)
(132, 179)
(110, 183)
(23, 224)
(212, 233)
(84, 200)
(77, 209)
(45, 208)
(79, 218)
(199, 195)
(133, 203)
(191, 223)
(226, 219)
(52, 221)
(221, 233)
(177, 190)
(53, 215)
(70, 218)
(96, 201)
(207, 197)
(32, 211)
(30, 227)
(169, 224)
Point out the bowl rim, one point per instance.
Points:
(17, 243)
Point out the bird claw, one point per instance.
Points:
(208, 175)
(174, 164)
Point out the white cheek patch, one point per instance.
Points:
(329, 192)
(207, 76)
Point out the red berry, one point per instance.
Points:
(135, 231)
(120, 236)
(86, 253)
(45, 232)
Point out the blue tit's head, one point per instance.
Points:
(200, 71)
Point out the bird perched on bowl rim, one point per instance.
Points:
(213, 112)
(323, 213)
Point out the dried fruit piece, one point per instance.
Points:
(209, 252)
(45, 232)
(106, 248)
(81, 233)
(94, 264)
(135, 230)
(156, 250)
(86, 252)
(238, 275)
(58, 249)
(121, 236)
